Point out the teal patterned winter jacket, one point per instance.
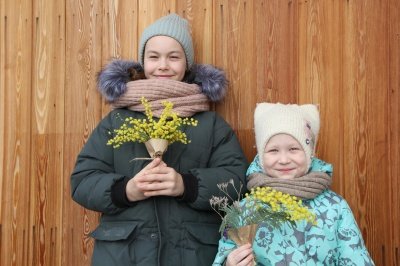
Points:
(334, 240)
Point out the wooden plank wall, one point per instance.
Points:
(341, 54)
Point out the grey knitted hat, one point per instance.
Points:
(173, 26)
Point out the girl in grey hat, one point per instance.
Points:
(158, 212)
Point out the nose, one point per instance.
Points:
(163, 64)
(283, 158)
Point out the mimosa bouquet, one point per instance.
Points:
(241, 219)
(156, 134)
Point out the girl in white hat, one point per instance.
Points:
(286, 136)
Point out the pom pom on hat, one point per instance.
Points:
(299, 121)
(172, 26)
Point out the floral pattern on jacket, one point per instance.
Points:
(334, 240)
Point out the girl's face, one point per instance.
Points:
(284, 157)
(164, 58)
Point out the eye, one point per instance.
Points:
(151, 55)
(294, 149)
(175, 57)
(271, 150)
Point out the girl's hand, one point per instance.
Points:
(242, 256)
(161, 181)
(134, 191)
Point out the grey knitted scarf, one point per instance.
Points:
(308, 186)
(187, 98)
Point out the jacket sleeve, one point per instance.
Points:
(227, 162)
(225, 246)
(351, 247)
(94, 175)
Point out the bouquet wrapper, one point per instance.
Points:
(156, 147)
(243, 235)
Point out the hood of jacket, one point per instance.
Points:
(112, 79)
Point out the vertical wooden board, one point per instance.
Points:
(311, 61)
(351, 82)
(47, 116)
(120, 30)
(234, 48)
(200, 17)
(320, 76)
(17, 52)
(375, 193)
(275, 63)
(151, 10)
(278, 21)
(288, 65)
(3, 24)
(394, 121)
(83, 108)
(365, 148)
(120, 20)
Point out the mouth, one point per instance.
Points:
(285, 170)
(163, 76)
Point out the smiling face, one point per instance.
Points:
(284, 157)
(164, 58)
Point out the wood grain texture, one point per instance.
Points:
(3, 26)
(365, 143)
(393, 122)
(15, 225)
(320, 75)
(151, 10)
(47, 132)
(119, 34)
(276, 49)
(83, 109)
(200, 17)
(342, 55)
(234, 41)
(120, 30)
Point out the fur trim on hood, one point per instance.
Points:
(112, 79)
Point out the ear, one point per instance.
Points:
(311, 113)
(261, 109)
(310, 110)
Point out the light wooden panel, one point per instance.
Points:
(119, 30)
(150, 10)
(119, 37)
(255, 42)
(344, 55)
(200, 16)
(276, 64)
(393, 122)
(16, 21)
(234, 40)
(3, 21)
(276, 49)
(365, 157)
(320, 76)
(83, 106)
(47, 118)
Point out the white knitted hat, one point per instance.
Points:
(299, 121)
(172, 26)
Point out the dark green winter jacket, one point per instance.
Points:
(159, 230)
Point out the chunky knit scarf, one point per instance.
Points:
(308, 186)
(187, 98)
